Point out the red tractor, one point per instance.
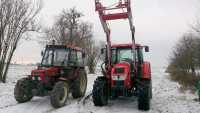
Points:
(124, 69)
(60, 72)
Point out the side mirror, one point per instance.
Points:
(42, 53)
(102, 50)
(146, 48)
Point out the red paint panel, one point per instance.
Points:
(40, 73)
(146, 70)
(126, 74)
(52, 71)
(115, 16)
(46, 72)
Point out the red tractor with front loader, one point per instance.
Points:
(125, 73)
(61, 72)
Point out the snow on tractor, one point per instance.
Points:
(124, 69)
(61, 72)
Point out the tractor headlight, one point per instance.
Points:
(36, 78)
(33, 78)
(39, 78)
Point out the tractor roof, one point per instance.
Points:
(65, 46)
(129, 45)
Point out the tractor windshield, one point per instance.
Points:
(55, 57)
(122, 54)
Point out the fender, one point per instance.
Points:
(146, 70)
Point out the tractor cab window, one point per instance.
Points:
(140, 55)
(60, 57)
(47, 58)
(73, 57)
(80, 58)
(122, 54)
(114, 56)
(136, 54)
(55, 57)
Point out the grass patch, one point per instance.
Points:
(188, 81)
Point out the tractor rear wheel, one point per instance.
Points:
(151, 94)
(80, 85)
(22, 91)
(144, 95)
(59, 94)
(100, 92)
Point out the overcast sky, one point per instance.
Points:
(159, 24)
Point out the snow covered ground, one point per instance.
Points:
(166, 98)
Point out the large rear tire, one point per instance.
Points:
(80, 85)
(151, 93)
(22, 90)
(144, 96)
(100, 92)
(59, 94)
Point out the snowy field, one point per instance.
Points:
(166, 98)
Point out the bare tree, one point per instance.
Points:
(185, 62)
(94, 55)
(17, 18)
(65, 29)
(69, 29)
(196, 26)
(185, 55)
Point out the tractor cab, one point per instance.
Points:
(121, 54)
(62, 56)
(124, 53)
(59, 60)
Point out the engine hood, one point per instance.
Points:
(50, 71)
(121, 68)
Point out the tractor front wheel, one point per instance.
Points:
(100, 92)
(22, 91)
(144, 95)
(59, 94)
